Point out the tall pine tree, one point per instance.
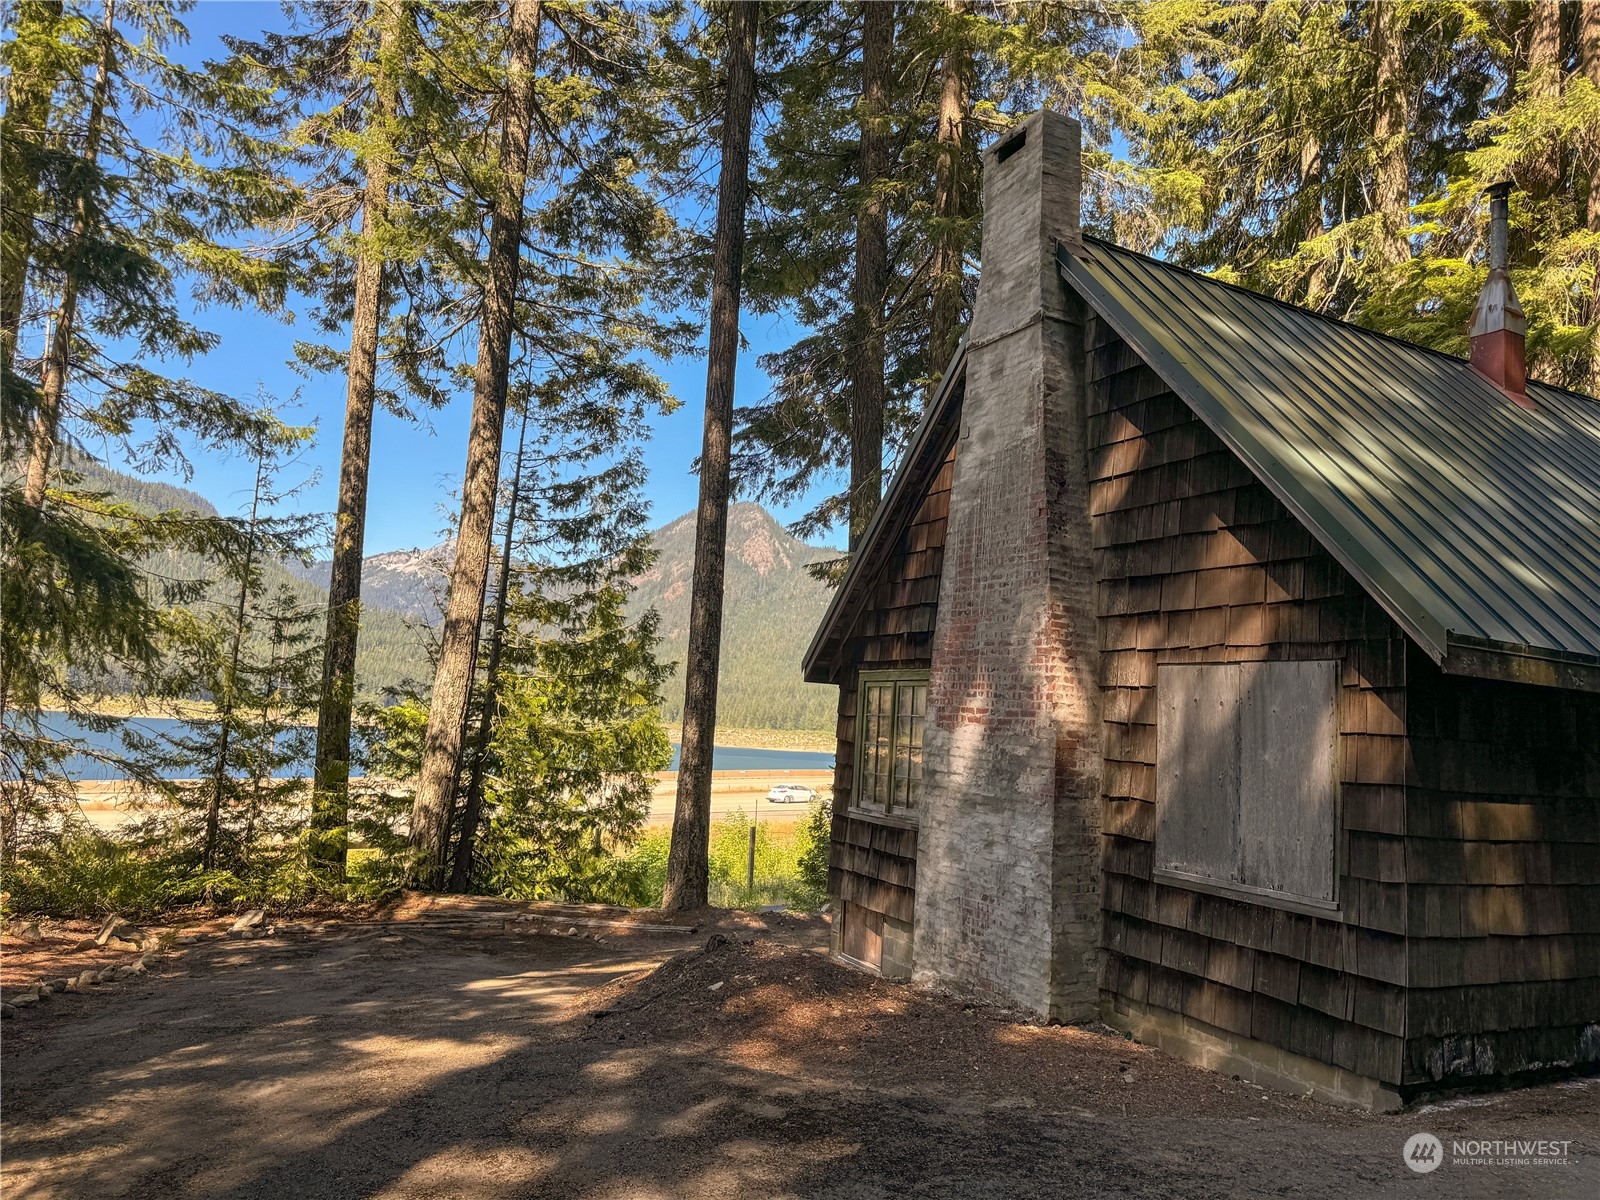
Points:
(452, 680)
(107, 215)
(581, 240)
(688, 864)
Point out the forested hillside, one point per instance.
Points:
(393, 646)
(772, 608)
(408, 582)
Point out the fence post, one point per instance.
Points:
(750, 869)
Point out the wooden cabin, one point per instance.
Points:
(1230, 674)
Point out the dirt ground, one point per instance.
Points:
(486, 1051)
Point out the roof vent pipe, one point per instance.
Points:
(1499, 329)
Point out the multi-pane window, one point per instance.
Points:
(892, 708)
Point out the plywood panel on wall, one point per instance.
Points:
(1197, 770)
(1246, 778)
(1288, 786)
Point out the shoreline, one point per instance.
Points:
(732, 737)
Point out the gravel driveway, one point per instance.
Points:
(383, 1061)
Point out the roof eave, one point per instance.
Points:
(1510, 663)
(820, 662)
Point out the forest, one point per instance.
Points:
(534, 203)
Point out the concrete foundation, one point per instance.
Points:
(1230, 1054)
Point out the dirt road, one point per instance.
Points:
(106, 804)
(420, 1061)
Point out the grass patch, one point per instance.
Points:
(787, 854)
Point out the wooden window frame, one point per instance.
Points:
(888, 812)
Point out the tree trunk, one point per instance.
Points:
(22, 133)
(1316, 284)
(1391, 186)
(1544, 81)
(472, 811)
(58, 354)
(330, 809)
(452, 680)
(230, 686)
(951, 194)
(1544, 45)
(1589, 60)
(867, 389)
(688, 867)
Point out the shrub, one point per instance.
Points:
(811, 891)
(81, 873)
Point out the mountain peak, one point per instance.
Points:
(771, 604)
(755, 540)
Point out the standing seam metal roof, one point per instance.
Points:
(1471, 519)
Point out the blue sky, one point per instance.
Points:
(414, 467)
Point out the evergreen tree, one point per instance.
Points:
(331, 785)
(254, 660)
(578, 740)
(452, 680)
(344, 75)
(569, 720)
(578, 235)
(35, 59)
(1336, 155)
(1584, 94)
(870, 282)
(955, 71)
(952, 215)
(489, 704)
(1537, 131)
(105, 216)
(687, 861)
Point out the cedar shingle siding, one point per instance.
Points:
(873, 864)
(1469, 862)
(1501, 858)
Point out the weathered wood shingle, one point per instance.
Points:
(1468, 937)
(872, 863)
(1198, 563)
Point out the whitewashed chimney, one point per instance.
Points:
(1008, 871)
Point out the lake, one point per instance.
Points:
(79, 766)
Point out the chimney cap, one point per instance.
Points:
(1499, 327)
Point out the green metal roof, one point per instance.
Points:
(1475, 522)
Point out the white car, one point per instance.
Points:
(791, 793)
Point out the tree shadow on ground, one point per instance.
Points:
(422, 1066)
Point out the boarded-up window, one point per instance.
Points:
(893, 709)
(1247, 783)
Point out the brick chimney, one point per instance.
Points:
(1008, 866)
(1499, 329)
